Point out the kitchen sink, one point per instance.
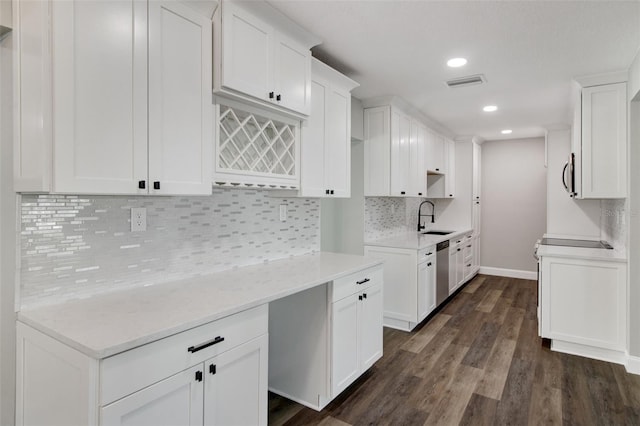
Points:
(437, 232)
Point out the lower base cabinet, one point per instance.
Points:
(337, 336)
(214, 374)
(410, 285)
(584, 306)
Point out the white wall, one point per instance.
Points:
(565, 215)
(514, 204)
(7, 239)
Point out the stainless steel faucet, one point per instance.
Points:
(433, 214)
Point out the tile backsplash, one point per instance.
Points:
(388, 216)
(613, 223)
(79, 246)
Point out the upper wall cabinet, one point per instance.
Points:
(262, 57)
(326, 135)
(436, 153)
(600, 142)
(394, 153)
(113, 98)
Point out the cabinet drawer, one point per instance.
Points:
(353, 283)
(426, 252)
(125, 373)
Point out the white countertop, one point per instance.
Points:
(109, 324)
(414, 240)
(612, 255)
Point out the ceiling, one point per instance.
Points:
(528, 51)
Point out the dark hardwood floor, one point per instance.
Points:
(479, 361)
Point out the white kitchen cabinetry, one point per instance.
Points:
(125, 93)
(600, 142)
(409, 277)
(336, 336)
(461, 261)
(262, 57)
(442, 184)
(584, 306)
(435, 153)
(214, 374)
(326, 135)
(477, 171)
(255, 147)
(394, 152)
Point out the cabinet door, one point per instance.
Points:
(173, 401)
(604, 146)
(292, 72)
(450, 178)
(99, 96)
(236, 385)
(460, 266)
(312, 148)
(417, 169)
(337, 167)
(400, 154)
(180, 104)
(426, 288)
(477, 171)
(377, 136)
(476, 216)
(370, 326)
(344, 350)
(453, 278)
(435, 154)
(247, 44)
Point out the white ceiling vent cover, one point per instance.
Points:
(469, 80)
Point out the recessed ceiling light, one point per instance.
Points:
(506, 131)
(490, 108)
(456, 62)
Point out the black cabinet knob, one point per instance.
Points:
(332, 192)
(401, 192)
(142, 184)
(419, 193)
(437, 170)
(359, 297)
(450, 195)
(364, 295)
(271, 95)
(156, 185)
(278, 98)
(429, 264)
(326, 191)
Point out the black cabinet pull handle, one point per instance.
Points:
(359, 297)
(401, 192)
(366, 280)
(278, 98)
(429, 264)
(156, 185)
(200, 347)
(450, 195)
(198, 376)
(437, 170)
(271, 95)
(468, 246)
(212, 369)
(142, 184)
(332, 192)
(327, 191)
(429, 254)
(419, 193)
(458, 249)
(364, 295)
(468, 265)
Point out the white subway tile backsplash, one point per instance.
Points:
(80, 246)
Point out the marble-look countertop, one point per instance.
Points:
(414, 240)
(106, 325)
(612, 255)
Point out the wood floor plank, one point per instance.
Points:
(281, 410)
(420, 339)
(453, 403)
(474, 284)
(331, 421)
(491, 385)
(546, 396)
(430, 355)
(605, 395)
(489, 301)
(513, 407)
(480, 411)
(482, 345)
(576, 406)
(435, 384)
(512, 323)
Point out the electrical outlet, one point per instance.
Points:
(283, 212)
(138, 219)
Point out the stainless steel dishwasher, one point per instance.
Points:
(442, 272)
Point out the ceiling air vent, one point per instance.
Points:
(469, 80)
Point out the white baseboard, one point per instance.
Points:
(617, 357)
(511, 273)
(633, 364)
